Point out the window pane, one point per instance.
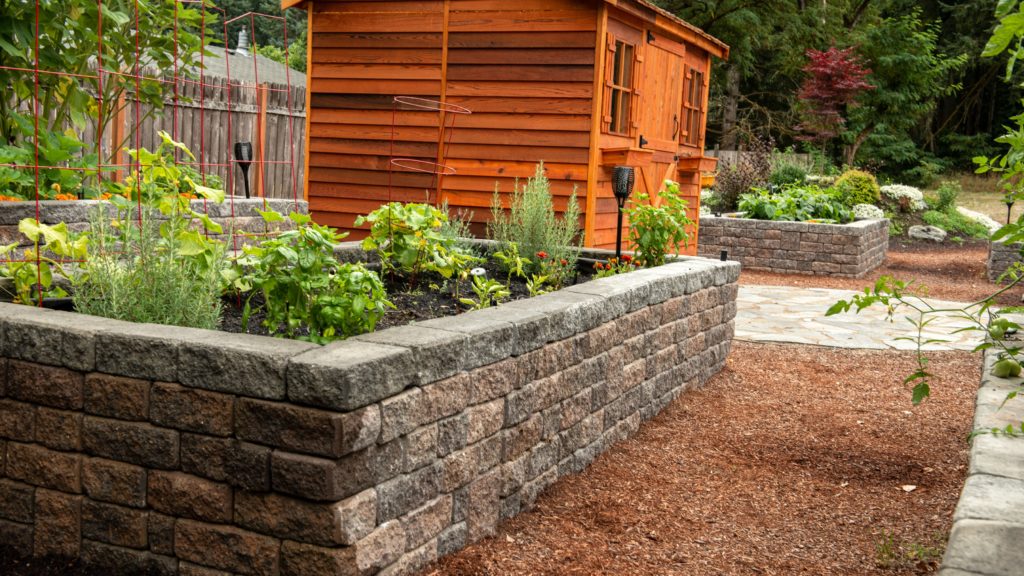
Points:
(627, 66)
(614, 127)
(698, 86)
(624, 113)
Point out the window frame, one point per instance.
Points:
(694, 107)
(623, 61)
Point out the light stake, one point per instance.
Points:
(622, 185)
(243, 155)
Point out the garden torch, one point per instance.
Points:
(622, 185)
(1009, 206)
(243, 155)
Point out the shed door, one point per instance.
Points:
(661, 91)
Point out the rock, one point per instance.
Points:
(927, 233)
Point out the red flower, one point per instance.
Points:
(564, 262)
(598, 265)
(542, 254)
(627, 258)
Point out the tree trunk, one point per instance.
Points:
(850, 153)
(730, 109)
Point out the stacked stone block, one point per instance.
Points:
(989, 519)
(1000, 257)
(167, 450)
(849, 250)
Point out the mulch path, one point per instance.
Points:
(949, 271)
(790, 461)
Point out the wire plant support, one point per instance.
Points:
(137, 73)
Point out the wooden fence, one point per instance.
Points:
(726, 157)
(210, 119)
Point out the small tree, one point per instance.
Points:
(835, 79)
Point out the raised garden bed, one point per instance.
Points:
(850, 250)
(1000, 257)
(142, 447)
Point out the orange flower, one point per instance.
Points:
(627, 258)
(9, 199)
(542, 254)
(66, 197)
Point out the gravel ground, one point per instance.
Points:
(950, 272)
(793, 460)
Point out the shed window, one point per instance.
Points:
(621, 88)
(693, 107)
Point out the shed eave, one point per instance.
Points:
(286, 4)
(667, 20)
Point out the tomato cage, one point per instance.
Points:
(90, 81)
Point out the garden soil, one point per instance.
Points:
(792, 460)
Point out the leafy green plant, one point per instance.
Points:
(512, 261)
(655, 231)
(795, 205)
(537, 284)
(307, 293)
(488, 293)
(858, 187)
(156, 262)
(33, 274)
(947, 195)
(531, 223)
(409, 238)
(956, 223)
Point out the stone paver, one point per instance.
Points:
(797, 315)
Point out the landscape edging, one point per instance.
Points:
(989, 520)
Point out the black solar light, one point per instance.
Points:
(622, 185)
(243, 155)
(1008, 200)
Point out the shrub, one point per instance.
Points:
(955, 223)
(531, 223)
(867, 212)
(795, 205)
(907, 198)
(947, 193)
(754, 168)
(858, 187)
(656, 230)
(785, 174)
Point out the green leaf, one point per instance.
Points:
(270, 215)
(921, 391)
(838, 308)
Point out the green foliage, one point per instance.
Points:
(56, 149)
(308, 294)
(795, 204)
(512, 261)
(160, 270)
(655, 231)
(68, 42)
(753, 169)
(858, 187)
(488, 293)
(531, 223)
(410, 238)
(955, 223)
(947, 193)
(787, 174)
(897, 554)
(614, 266)
(33, 273)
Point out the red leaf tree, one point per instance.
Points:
(834, 80)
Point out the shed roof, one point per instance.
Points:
(712, 44)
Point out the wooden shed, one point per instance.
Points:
(582, 85)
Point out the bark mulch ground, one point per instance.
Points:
(949, 271)
(793, 460)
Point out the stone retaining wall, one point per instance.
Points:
(989, 520)
(183, 451)
(238, 214)
(1000, 257)
(850, 250)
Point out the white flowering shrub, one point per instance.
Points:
(983, 219)
(867, 212)
(904, 195)
(704, 210)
